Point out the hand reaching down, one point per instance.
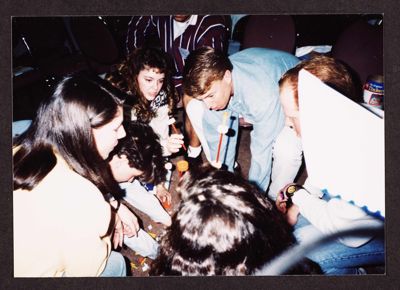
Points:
(163, 195)
(129, 221)
(174, 142)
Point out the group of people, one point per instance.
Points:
(97, 144)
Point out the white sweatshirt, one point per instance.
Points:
(334, 215)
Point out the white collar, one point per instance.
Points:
(180, 27)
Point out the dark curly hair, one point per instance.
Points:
(143, 151)
(224, 226)
(125, 76)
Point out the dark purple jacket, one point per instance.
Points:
(209, 30)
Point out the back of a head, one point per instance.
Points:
(332, 72)
(223, 226)
(203, 66)
(143, 151)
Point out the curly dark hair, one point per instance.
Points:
(143, 151)
(224, 226)
(125, 76)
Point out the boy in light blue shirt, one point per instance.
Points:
(245, 85)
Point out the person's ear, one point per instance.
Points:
(227, 76)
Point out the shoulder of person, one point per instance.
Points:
(67, 180)
(210, 23)
(160, 20)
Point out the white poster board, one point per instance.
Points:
(343, 145)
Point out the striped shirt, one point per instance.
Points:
(209, 30)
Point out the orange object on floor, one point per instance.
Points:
(182, 166)
(166, 205)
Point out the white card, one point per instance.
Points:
(343, 144)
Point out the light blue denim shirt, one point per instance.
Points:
(256, 72)
(255, 75)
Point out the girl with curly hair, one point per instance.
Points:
(145, 76)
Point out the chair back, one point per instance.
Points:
(270, 31)
(361, 47)
(45, 37)
(95, 41)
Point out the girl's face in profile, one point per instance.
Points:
(106, 137)
(150, 82)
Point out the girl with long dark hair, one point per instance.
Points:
(65, 198)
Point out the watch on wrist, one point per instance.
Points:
(289, 192)
(291, 189)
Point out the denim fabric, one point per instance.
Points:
(145, 201)
(287, 156)
(255, 75)
(143, 244)
(19, 127)
(335, 258)
(115, 267)
(211, 121)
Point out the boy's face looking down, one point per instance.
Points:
(290, 108)
(218, 96)
(121, 169)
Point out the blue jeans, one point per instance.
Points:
(115, 266)
(19, 127)
(335, 258)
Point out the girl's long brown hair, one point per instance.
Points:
(125, 78)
